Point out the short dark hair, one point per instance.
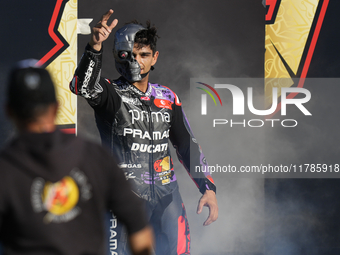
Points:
(147, 37)
(30, 90)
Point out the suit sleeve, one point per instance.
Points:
(189, 152)
(86, 78)
(88, 83)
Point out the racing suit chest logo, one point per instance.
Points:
(163, 103)
(137, 115)
(161, 100)
(140, 135)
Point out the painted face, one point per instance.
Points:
(125, 62)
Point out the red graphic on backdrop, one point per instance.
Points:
(315, 32)
(61, 43)
(272, 9)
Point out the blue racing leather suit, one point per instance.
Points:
(137, 127)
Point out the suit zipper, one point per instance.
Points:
(151, 155)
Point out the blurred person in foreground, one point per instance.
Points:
(137, 120)
(55, 188)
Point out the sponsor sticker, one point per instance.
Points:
(163, 103)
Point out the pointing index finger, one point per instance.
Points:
(107, 15)
(105, 19)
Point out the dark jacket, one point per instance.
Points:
(54, 192)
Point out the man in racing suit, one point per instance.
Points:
(136, 119)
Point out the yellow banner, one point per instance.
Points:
(63, 67)
(285, 43)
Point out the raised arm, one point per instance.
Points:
(86, 79)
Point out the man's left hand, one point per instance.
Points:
(209, 200)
